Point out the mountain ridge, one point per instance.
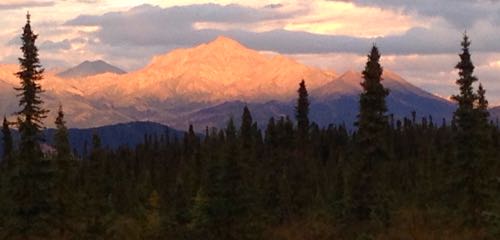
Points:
(90, 68)
(220, 70)
(112, 136)
(178, 87)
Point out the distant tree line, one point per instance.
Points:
(390, 179)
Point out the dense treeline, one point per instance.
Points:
(291, 179)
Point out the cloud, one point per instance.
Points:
(274, 5)
(88, 1)
(51, 45)
(184, 14)
(148, 25)
(460, 13)
(11, 4)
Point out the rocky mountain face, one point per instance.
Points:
(206, 85)
(336, 102)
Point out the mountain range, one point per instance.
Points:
(111, 136)
(116, 135)
(206, 85)
(495, 113)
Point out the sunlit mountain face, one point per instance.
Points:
(208, 84)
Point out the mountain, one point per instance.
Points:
(219, 115)
(117, 135)
(339, 99)
(334, 102)
(90, 68)
(207, 84)
(218, 71)
(495, 113)
(112, 136)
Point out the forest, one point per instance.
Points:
(291, 179)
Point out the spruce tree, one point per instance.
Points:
(32, 112)
(61, 137)
(372, 118)
(482, 106)
(466, 98)
(8, 144)
(469, 116)
(65, 182)
(372, 123)
(32, 180)
(231, 190)
(95, 191)
(246, 128)
(302, 170)
(465, 117)
(302, 112)
(219, 203)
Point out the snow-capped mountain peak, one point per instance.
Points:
(220, 70)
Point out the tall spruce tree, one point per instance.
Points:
(231, 191)
(32, 182)
(468, 167)
(372, 123)
(61, 137)
(32, 112)
(8, 144)
(482, 106)
(302, 169)
(246, 128)
(65, 181)
(302, 112)
(372, 118)
(483, 121)
(464, 115)
(248, 138)
(96, 194)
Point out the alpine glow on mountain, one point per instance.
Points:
(178, 88)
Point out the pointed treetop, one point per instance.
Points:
(230, 130)
(481, 95)
(246, 118)
(302, 110)
(28, 17)
(246, 127)
(60, 122)
(374, 53)
(465, 42)
(481, 88)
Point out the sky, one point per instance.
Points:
(420, 40)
